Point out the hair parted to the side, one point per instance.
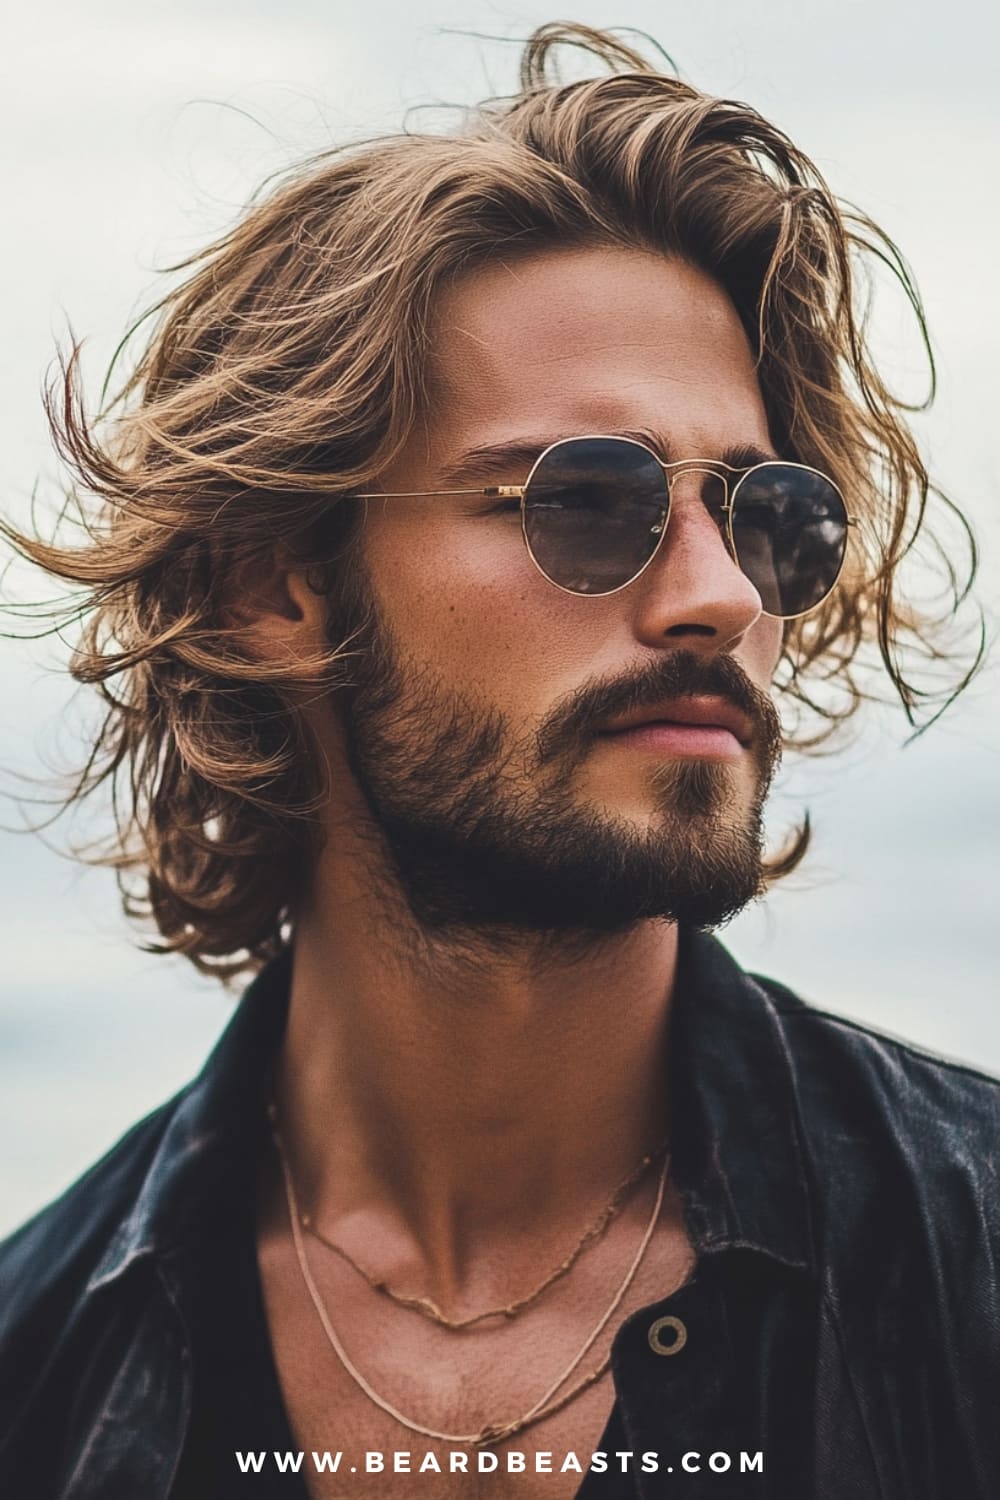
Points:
(286, 372)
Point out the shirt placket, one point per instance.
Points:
(719, 1381)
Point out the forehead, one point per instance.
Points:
(589, 339)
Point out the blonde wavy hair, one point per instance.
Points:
(286, 372)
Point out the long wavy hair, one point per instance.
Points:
(285, 371)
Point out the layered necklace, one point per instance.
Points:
(554, 1398)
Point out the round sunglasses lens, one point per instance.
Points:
(594, 511)
(790, 534)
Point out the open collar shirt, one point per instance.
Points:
(840, 1335)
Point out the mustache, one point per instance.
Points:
(682, 674)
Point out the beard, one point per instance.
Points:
(480, 830)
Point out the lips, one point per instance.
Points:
(705, 712)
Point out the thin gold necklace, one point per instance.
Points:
(493, 1432)
(430, 1309)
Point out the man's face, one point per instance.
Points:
(476, 726)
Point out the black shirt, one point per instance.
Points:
(237, 1405)
(841, 1190)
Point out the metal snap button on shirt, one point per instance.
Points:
(661, 1326)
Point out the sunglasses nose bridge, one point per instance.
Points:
(712, 490)
(712, 479)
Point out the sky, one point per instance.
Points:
(133, 134)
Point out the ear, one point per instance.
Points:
(278, 615)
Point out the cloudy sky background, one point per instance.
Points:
(133, 133)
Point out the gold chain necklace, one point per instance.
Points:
(430, 1309)
(493, 1432)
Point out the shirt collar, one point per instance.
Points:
(212, 1126)
(737, 1156)
(735, 1153)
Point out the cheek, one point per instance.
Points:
(467, 600)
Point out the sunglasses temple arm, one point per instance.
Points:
(494, 491)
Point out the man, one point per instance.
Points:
(481, 500)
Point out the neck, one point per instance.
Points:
(445, 1094)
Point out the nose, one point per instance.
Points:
(693, 589)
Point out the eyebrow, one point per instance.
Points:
(504, 460)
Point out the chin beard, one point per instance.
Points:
(570, 872)
(472, 840)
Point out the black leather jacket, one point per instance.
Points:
(841, 1187)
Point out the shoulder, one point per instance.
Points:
(902, 1147)
(91, 1318)
(862, 1074)
(65, 1240)
(85, 1329)
(48, 1264)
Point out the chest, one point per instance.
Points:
(454, 1384)
(367, 1454)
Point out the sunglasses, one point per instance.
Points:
(594, 511)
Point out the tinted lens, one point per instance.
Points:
(790, 533)
(594, 511)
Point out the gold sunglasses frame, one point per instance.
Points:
(687, 465)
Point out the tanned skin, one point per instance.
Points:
(458, 1105)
